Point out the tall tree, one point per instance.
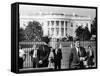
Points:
(79, 32)
(93, 27)
(83, 33)
(21, 34)
(33, 31)
(87, 34)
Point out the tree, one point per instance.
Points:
(70, 38)
(33, 31)
(21, 34)
(46, 39)
(79, 32)
(93, 27)
(87, 34)
(83, 33)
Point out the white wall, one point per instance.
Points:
(5, 38)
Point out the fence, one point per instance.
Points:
(27, 47)
(65, 51)
(67, 47)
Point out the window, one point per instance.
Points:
(66, 30)
(57, 22)
(71, 24)
(52, 22)
(66, 24)
(52, 29)
(57, 31)
(62, 23)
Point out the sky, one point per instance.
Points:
(31, 9)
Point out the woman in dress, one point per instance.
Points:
(51, 59)
(90, 57)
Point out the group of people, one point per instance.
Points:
(80, 58)
(46, 56)
(42, 56)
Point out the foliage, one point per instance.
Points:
(21, 34)
(32, 32)
(83, 33)
(46, 39)
(93, 27)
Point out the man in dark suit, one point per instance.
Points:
(34, 58)
(57, 57)
(43, 54)
(77, 56)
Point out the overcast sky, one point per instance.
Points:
(30, 9)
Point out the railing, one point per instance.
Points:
(65, 51)
(27, 47)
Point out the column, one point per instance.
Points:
(50, 29)
(54, 35)
(60, 29)
(89, 26)
(45, 27)
(64, 29)
(55, 28)
(74, 29)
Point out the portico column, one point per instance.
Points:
(60, 29)
(50, 29)
(89, 26)
(55, 28)
(64, 29)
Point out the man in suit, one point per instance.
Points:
(43, 54)
(33, 54)
(57, 57)
(77, 56)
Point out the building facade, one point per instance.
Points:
(57, 25)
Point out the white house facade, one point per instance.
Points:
(57, 25)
